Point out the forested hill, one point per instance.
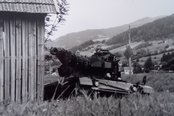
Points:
(160, 29)
(75, 39)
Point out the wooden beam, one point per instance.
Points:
(39, 59)
(42, 57)
(18, 51)
(25, 59)
(1, 61)
(40, 36)
(30, 49)
(13, 61)
(7, 59)
(33, 37)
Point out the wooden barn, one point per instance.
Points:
(22, 25)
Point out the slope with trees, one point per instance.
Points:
(74, 39)
(160, 29)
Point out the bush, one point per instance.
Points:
(169, 65)
(148, 65)
(137, 68)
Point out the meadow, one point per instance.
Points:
(160, 103)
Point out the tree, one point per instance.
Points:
(137, 60)
(148, 65)
(171, 67)
(128, 52)
(166, 57)
(137, 68)
(170, 64)
(163, 58)
(52, 21)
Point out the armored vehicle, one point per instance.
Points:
(96, 74)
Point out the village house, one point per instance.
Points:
(127, 70)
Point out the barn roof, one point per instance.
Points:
(28, 6)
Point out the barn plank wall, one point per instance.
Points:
(21, 57)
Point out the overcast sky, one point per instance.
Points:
(96, 14)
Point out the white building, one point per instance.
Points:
(127, 70)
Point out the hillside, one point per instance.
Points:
(81, 46)
(158, 30)
(74, 39)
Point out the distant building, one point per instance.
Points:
(78, 53)
(127, 70)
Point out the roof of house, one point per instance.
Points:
(28, 6)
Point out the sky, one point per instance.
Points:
(97, 14)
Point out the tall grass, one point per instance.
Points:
(157, 104)
(161, 103)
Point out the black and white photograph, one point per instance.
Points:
(86, 58)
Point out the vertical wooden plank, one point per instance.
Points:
(30, 62)
(36, 58)
(24, 59)
(7, 59)
(40, 37)
(13, 50)
(18, 71)
(42, 57)
(33, 37)
(28, 59)
(1, 61)
(39, 59)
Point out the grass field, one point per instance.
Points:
(161, 82)
(161, 103)
(158, 104)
